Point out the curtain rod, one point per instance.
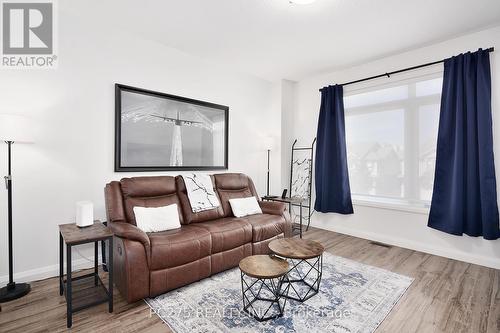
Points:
(491, 49)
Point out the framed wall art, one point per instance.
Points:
(161, 132)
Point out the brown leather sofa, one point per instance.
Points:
(208, 242)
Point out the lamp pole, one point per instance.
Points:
(268, 154)
(8, 183)
(12, 290)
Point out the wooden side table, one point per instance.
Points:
(87, 290)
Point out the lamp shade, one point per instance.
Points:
(268, 143)
(16, 128)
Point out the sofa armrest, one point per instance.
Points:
(278, 208)
(272, 207)
(129, 231)
(130, 269)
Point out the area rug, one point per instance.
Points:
(353, 297)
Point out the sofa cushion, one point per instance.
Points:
(227, 233)
(149, 192)
(233, 186)
(245, 206)
(189, 216)
(265, 226)
(180, 246)
(157, 219)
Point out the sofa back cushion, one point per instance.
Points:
(189, 216)
(149, 192)
(233, 186)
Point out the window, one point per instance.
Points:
(391, 135)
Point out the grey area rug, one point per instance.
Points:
(353, 297)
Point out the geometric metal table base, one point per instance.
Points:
(304, 285)
(267, 292)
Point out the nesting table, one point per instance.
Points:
(293, 271)
(306, 260)
(86, 290)
(262, 286)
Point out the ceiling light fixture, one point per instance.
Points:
(301, 2)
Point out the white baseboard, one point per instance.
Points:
(417, 246)
(47, 271)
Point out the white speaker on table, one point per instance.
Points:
(84, 214)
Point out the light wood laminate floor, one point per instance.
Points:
(446, 296)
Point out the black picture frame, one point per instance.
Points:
(119, 88)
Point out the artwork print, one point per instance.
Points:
(301, 173)
(156, 131)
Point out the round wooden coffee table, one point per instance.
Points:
(262, 278)
(306, 261)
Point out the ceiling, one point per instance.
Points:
(274, 39)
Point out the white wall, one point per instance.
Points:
(74, 106)
(287, 132)
(396, 227)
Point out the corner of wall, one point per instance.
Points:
(288, 108)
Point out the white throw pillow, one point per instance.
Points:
(245, 206)
(156, 219)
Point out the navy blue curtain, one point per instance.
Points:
(333, 193)
(464, 200)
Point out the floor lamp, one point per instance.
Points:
(16, 129)
(269, 145)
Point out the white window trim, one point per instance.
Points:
(389, 204)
